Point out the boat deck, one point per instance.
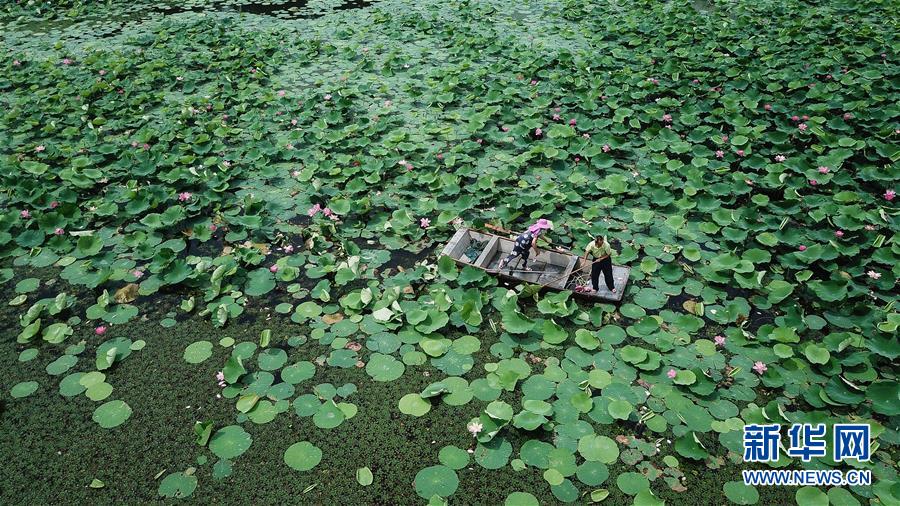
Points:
(558, 270)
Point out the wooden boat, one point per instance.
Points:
(555, 269)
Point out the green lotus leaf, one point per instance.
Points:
(364, 476)
(414, 404)
(230, 442)
(739, 493)
(597, 448)
(198, 352)
(178, 485)
(112, 414)
(436, 480)
(302, 456)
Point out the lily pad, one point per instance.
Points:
(436, 480)
(302, 456)
(230, 442)
(112, 414)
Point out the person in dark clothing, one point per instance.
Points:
(525, 243)
(601, 253)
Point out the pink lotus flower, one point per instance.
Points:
(740, 152)
(224, 117)
(802, 248)
(805, 117)
(295, 173)
(334, 217)
(823, 170)
(759, 367)
(146, 146)
(474, 427)
(889, 195)
(767, 107)
(795, 118)
(281, 93)
(870, 227)
(288, 249)
(213, 228)
(813, 182)
(54, 204)
(538, 132)
(66, 61)
(327, 212)
(847, 116)
(293, 122)
(586, 135)
(780, 158)
(720, 153)
(839, 233)
(353, 346)
(102, 72)
(802, 127)
(671, 374)
(439, 156)
(719, 340)
(556, 117)
(100, 330)
(314, 210)
(424, 222)
(16, 63)
(504, 128)
(572, 122)
(606, 148)
(226, 163)
(25, 214)
(185, 196)
(39, 149)
(724, 138)
(134, 144)
(327, 97)
(667, 118)
(388, 103)
(557, 109)
(479, 141)
(273, 268)
(534, 82)
(252, 71)
(59, 231)
(289, 146)
(874, 275)
(138, 274)
(220, 376)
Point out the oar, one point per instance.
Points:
(521, 270)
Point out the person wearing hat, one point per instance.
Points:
(602, 253)
(526, 242)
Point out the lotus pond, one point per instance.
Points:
(221, 220)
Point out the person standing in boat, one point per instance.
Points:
(601, 252)
(525, 243)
